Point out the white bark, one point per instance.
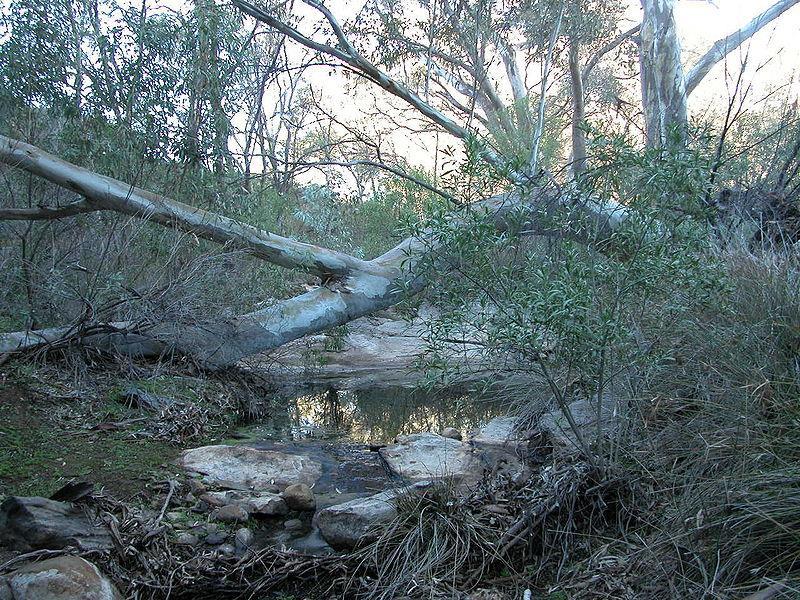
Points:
(353, 287)
(579, 152)
(726, 45)
(105, 193)
(663, 89)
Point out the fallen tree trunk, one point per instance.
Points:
(351, 287)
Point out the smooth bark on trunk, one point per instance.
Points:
(663, 88)
(352, 287)
(579, 154)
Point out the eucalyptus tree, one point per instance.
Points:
(349, 286)
(665, 84)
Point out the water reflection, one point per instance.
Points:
(378, 415)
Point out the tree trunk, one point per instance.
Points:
(663, 89)
(579, 158)
(353, 288)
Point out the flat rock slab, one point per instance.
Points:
(33, 523)
(60, 578)
(428, 456)
(249, 468)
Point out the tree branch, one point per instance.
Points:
(105, 193)
(382, 166)
(726, 45)
(374, 74)
(617, 41)
(43, 213)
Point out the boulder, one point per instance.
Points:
(299, 497)
(60, 578)
(248, 468)
(428, 456)
(33, 523)
(351, 524)
(258, 504)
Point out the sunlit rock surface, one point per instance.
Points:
(233, 466)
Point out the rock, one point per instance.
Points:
(501, 445)
(427, 456)
(137, 398)
(251, 468)
(215, 499)
(498, 434)
(230, 513)
(5, 589)
(60, 578)
(299, 497)
(186, 539)
(293, 524)
(226, 550)
(33, 523)
(351, 524)
(198, 487)
(216, 537)
(258, 504)
(555, 424)
(311, 543)
(243, 539)
(452, 433)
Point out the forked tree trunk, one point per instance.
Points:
(665, 88)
